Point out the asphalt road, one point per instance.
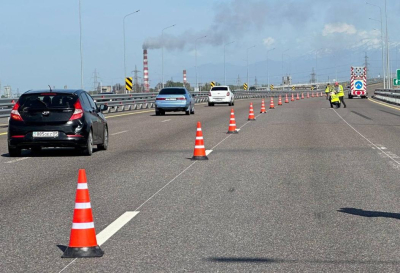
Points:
(304, 188)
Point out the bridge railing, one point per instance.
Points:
(136, 101)
(388, 95)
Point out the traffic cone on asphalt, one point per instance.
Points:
(271, 105)
(286, 99)
(199, 149)
(82, 242)
(312, 94)
(280, 100)
(308, 95)
(251, 113)
(263, 107)
(302, 95)
(317, 94)
(232, 124)
(292, 99)
(297, 98)
(321, 94)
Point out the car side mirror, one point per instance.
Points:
(103, 107)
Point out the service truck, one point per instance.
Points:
(358, 82)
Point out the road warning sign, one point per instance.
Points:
(271, 87)
(212, 84)
(245, 86)
(128, 83)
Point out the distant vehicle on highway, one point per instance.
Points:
(57, 118)
(174, 99)
(221, 95)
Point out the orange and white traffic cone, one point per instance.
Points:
(82, 242)
(263, 111)
(302, 96)
(292, 99)
(271, 105)
(308, 95)
(317, 94)
(251, 113)
(280, 100)
(232, 124)
(199, 152)
(297, 98)
(286, 99)
(321, 94)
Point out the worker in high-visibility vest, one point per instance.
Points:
(328, 89)
(334, 99)
(340, 92)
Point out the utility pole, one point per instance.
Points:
(255, 82)
(95, 81)
(238, 82)
(313, 78)
(136, 79)
(366, 64)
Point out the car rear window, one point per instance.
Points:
(47, 100)
(172, 91)
(219, 88)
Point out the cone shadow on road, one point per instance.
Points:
(62, 248)
(370, 213)
(288, 261)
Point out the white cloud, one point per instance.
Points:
(269, 41)
(338, 28)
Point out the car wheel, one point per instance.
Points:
(88, 150)
(210, 104)
(14, 151)
(104, 146)
(157, 112)
(192, 111)
(36, 150)
(233, 103)
(162, 112)
(230, 103)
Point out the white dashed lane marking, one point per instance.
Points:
(16, 160)
(119, 133)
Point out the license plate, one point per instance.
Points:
(45, 134)
(170, 99)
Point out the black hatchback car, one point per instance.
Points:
(57, 118)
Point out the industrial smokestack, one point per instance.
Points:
(184, 77)
(145, 72)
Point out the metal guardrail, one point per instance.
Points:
(137, 101)
(388, 95)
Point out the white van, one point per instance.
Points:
(221, 94)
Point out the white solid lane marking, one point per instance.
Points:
(165, 120)
(383, 148)
(368, 139)
(238, 129)
(112, 228)
(208, 152)
(119, 133)
(16, 160)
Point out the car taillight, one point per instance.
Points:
(78, 113)
(15, 114)
(227, 93)
(160, 98)
(181, 98)
(209, 94)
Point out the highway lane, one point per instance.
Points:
(267, 200)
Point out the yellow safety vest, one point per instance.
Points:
(327, 90)
(335, 98)
(341, 92)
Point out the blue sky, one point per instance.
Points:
(39, 40)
